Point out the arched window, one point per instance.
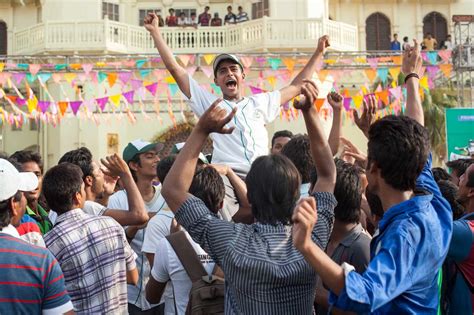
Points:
(3, 38)
(435, 24)
(377, 32)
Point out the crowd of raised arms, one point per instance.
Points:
(311, 226)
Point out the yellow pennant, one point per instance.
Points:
(209, 58)
(330, 61)
(272, 81)
(394, 72)
(357, 100)
(170, 80)
(32, 104)
(424, 82)
(69, 77)
(2, 66)
(115, 99)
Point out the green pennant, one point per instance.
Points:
(101, 76)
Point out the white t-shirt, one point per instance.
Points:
(136, 294)
(183, 22)
(250, 138)
(167, 266)
(93, 208)
(157, 228)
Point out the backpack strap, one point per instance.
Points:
(187, 255)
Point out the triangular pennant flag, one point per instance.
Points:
(69, 77)
(32, 104)
(140, 63)
(357, 100)
(272, 81)
(44, 76)
(101, 102)
(136, 84)
(112, 78)
(274, 63)
(75, 66)
(255, 90)
(319, 103)
(18, 77)
(216, 89)
(184, 59)
(432, 70)
(397, 60)
(373, 62)
(396, 92)
(82, 77)
(43, 105)
(190, 70)
(208, 58)
(63, 107)
(129, 96)
(75, 106)
(30, 77)
(60, 67)
(4, 77)
(101, 76)
(152, 88)
(100, 64)
(382, 74)
(87, 67)
(347, 103)
(246, 61)
(384, 97)
(115, 99)
(445, 54)
(330, 61)
(322, 74)
(129, 63)
(2, 66)
(125, 76)
(433, 57)
(371, 74)
(424, 82)
(207, 71)
(289, 63)
(34, 68)
(394, 72)
(145, 73)
(446, 69)
(173, 87)
(170, 80)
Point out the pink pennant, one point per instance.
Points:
(347, 103)
(87, 67)
(184, 59)
(43, 105)
(34, 68)
(125, 76)
(101, 102)
(190, 70)
(207, 70)
(255, 90)
(75, 106)
(129, 63)
(18, 77)
(246, 61)
(4, 76)
(57, 77)
(93, 77)
(152, 88)
(445, 54)
(261, 60)
(159, 74)
(424, 55)
(373, 62)
(141, 93)
(432, 70)
(129, 96)
(136, 84)
(396, 92)
(21, 101)
(379, 88)
(82, 77)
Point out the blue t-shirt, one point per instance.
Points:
(31, 280)
(407, 253)
(395, 45)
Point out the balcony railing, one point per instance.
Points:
(114, 37)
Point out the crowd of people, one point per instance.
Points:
(310, 225)
(429, 43)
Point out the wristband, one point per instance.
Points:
(411, 75)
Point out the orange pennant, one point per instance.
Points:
(322, 75)
(446, 69)
(383, 95)
(371, 74)
(394, 72)
(397, 60)
(75, 66)
(112, 77)
(319, 103)
(289, 63)
(63, 107)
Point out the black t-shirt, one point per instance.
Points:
(230, 18)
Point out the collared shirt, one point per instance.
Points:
(406, 254)
(32, 281)
(29, 231)
(264, 272)
(304, 190)
(42, 220)
(354, 249)
(395, 45)
(94, 256)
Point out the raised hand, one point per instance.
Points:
(368, 115)
(151, 22)
(310, 93)
(220, 168)
(115, 166)
(335, 100)
(352, 154)
(412, 61)
(215, 119)
(304, 218)
(109, 184)
(323, 43)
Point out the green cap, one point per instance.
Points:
(139, 146)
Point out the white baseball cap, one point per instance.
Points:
(12, 181)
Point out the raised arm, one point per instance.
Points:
(178, 72)
(411, 67)
(320, 149)
(369, 109)
(335, 100)
(176, 186)
(294, 89)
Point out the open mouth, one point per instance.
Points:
(231, 83)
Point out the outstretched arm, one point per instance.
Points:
(412, 63)
(178, 72)
(335, 100)
(294, 89)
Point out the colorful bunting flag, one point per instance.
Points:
(140, 63)
(209, 58)
(34, 68)
(125, 76)
(112, 78)
(394, 72)
(246, 61)
(357, 100)
(129, 96)
(43, 106)
(173, 87)
(371, 74)
(101, 102)
(184, 59)
(274, 63)
(347, 103)
(446, 69)
(319, 103)
(432, 57)
(101, 76)
(87, 67)
(69, 77)
(152, 88)
(382, 73)
(115, 99)
(445, 55)
(63, 107)
(207, 71)
(75, 106)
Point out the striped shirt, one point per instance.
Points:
(264, 272)
(94, 256)
(31, 280)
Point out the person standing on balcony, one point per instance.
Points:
(193, 20)
(242, 16)
(183, 20)
(230, 17)
(216, 20)
(172, 19)
(204, 18)
(429, 42)
(395, 44)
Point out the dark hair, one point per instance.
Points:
(405, 39)
(229, 7)
(395, 34)
(281, 134)
(470, 179)
(171, 10)
(460, 165)
(81, 157)
(449, 191)
(26, 156)
(299, 152)
(399, 147)
(207, 7)
(240, 7)
(375, 204)
(60, 185)
(135, 159)
(164, 167)
(273, 184)
(440, 174)
(6, 209)
(348, 192)
(208, 186)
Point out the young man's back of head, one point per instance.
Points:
(208, 186)
(348, 192)
(298, 151)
